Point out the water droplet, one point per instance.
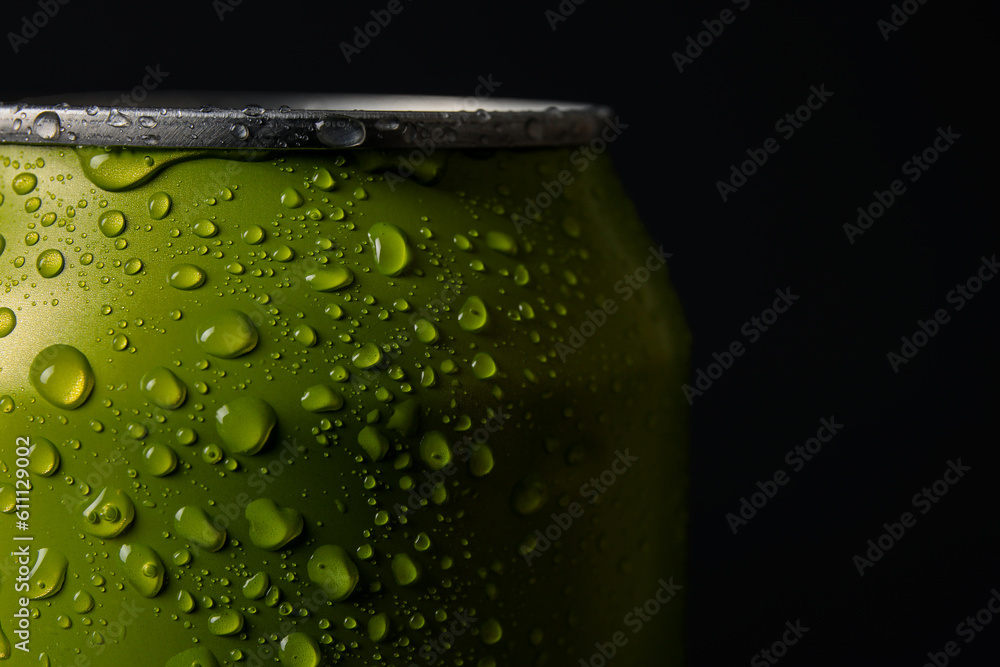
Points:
(521, 276)
(367, 356)
(185, 277)
(111, 223)
(392, 249)
(227, 622)
(163, 388)
(83, 602)
(404, 569)
(193, 657)
(434, 450)
(240, 131)
(206, 229)
(481, 461)
(47, 125)
(8, 320)
(185, 601)
(159, 205)
(47, 576)
(227, 334)
(529, 495)
(291, 198)
(483, 366)
(375, 445)
(195, 525)
(62, 375)
(253, 235)
(330, 279)
(490, 631)
(186, 436)
(341, 132)
(502, 243)
(133, 266)
(244, 424)
(332, 570)
(256, 586)
(143, 568)
(160, 459)
(24, 183)
(272, 526)
(109, 516)
(283, 254)
(321, 398)
(43, 457)
(299, 650)
(473, 316)
(378, 627)
(50, 263)
(323, 180)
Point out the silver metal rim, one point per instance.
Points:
(280, 121)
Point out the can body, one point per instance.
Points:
(339, 408)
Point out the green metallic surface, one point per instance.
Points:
(295, 409)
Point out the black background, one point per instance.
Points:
(826, 357)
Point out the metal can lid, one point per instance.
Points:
(279, 121)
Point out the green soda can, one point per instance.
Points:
(334, 381)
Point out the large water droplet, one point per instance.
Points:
(404, 569)
(330, 279)
(321, 398)
(160, 459)
(8, 320)
(110, 513)
(225, 623)
(434, 450)
(333, 570)
(502, 243)
(24, 183)
(244, 424)
(299, 650)
(367, 356)
(50, 263)
(375, 445)
(185, 277)
(48, 574)
(483, 366)
(43, 457)
(392, 250)
(143, 568)
(159, 205)
(193, 657)
(529, 495)
(62, 375)
(473, 316)
(47, 125)
(163, 388)
(272, 526)
(227, 334)
(195, 525)
(256, 586)
(111, 223)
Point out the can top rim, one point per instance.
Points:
(299, 120)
